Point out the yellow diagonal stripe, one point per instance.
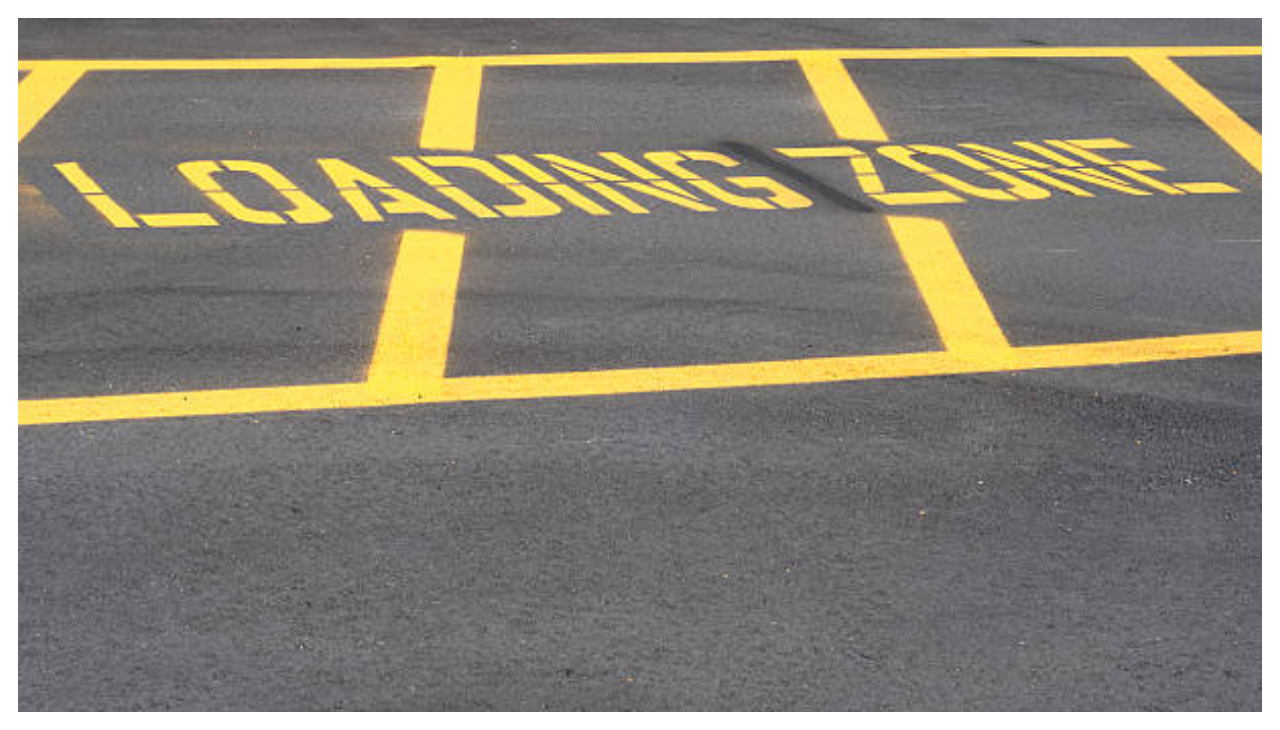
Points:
(41, 89)
(960, 312)
(1219, 117)
(850, 115)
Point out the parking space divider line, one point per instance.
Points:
(850, 115)
(952, 296)
(453, 107)
(954, 300)
(40, 90)
(412, 346)
(1219, 117)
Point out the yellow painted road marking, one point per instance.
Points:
(178, 220)
(369, 196)
(850, 115)
(41, 89)
(905, 54)
(838, 369)
(959, 310)
(643, 380)
(197, 403)
(1219, 117)
(413, 338)
(94, 195)
(453, 105)
(409, 359)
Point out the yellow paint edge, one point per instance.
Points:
(959, 310)
(847, 110)
(413, 337)
(906, 54)
(1244, 139)
(453, 107)
(641, 380)
(838, 369)
(41, 89)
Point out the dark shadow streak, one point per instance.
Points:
(815, 185)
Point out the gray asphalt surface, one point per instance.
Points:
(1085, 538)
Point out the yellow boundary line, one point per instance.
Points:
(1219, 117)
(847, 109)
(413, 337)
(960, 312)
(42, 88)
(577, 59)
(408, 364)
(622, 382)
(454, 96)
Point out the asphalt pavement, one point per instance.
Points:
(624, 382)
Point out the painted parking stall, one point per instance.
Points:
(900, 365)
(929, 200)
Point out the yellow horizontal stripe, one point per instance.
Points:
(229, 64)
(640, 380)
